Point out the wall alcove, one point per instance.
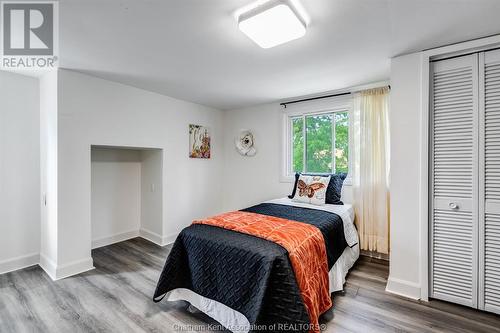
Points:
(126, 193)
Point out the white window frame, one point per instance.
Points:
(323, 106)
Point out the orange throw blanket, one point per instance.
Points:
(305, 246)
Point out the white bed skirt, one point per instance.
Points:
(236, 321)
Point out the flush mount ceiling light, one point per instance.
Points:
(272, 23)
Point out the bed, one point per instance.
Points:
(246, 283)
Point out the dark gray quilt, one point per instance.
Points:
(246, 273)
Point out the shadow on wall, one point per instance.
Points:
(126, 194)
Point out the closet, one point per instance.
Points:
(465, 180)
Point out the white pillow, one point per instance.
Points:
(311, 189)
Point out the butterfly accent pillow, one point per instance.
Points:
(311, 189)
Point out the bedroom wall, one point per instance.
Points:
(152, 191)
(405, 120)
(48, 172)
(93, 111)
(251, 180)
(115, 195)
(19, 171)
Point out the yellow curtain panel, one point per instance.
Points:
(370, 136)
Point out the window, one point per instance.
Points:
(318, 142)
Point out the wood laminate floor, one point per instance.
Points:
(116, 297)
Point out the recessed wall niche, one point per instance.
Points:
(126, 193)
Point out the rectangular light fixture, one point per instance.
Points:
(273, 23)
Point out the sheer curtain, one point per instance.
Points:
(370, 163)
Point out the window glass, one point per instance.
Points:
(297, 144)
(325, 140)
(341, 142)
(319, 143)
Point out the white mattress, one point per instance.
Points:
(236, 321)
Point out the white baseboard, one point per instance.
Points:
(403, 288)
(375, 255)
(151, 236)
(170, 239)
(157, 238)
(115, 238)
(48, 266)
(57, 272)
(19, 262)
(73, 268)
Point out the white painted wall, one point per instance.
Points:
(405, 178)
(115, 195)
(151, 192)
(19, 171)
(48, 173)
(93, 111)
(251, 180)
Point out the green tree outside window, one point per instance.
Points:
(298, 144)
(326, 140)
(341, 142)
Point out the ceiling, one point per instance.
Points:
(193, 50)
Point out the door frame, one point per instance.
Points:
(426, 56)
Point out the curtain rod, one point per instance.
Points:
(284, 104)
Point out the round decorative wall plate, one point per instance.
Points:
(245, 144)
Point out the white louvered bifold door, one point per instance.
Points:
(490, 181)
(454, 180)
